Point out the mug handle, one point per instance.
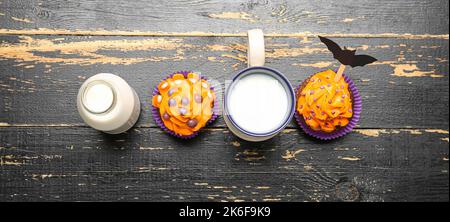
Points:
(256, 49)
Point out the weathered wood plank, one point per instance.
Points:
(79, 163)
(399, 151)
(291, 16)
(40, 75)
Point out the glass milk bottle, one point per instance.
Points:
(107, 103)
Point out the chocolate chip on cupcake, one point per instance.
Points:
(183, 103)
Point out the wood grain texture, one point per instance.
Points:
(288, 16)
(397, 152)
(41, 75)
(78, 163)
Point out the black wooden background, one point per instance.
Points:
(398, 152)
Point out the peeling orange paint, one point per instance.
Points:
(10, 160)
(315, 65)
(155, 148)
(294, 52)
(38, 125)
(218, 47)
(250, 152)
(88, 52)
(236, 143)
(201, 184)
(371, 132)
(22, 160)
(440, 131)
(378, 132)
(411, 70)
(289, 130)
(239, 47)
(308, 168)
(350, 158)
(383, 63)
(150, 169)
(291, 154)
(271, 199)
(102, 32)
(429, 47)
(233, 15)
(25, 20)
(212, 58)
(414, 132)
(348, 20)
(305, 40)
(363, 47)
(240, 58)
(262, 187)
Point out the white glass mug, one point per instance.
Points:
(259, 101)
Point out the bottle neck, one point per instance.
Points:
(98, 97)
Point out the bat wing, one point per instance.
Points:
(332, 46)
(362, 60)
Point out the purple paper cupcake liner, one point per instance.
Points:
(159, 121)
(357, 108)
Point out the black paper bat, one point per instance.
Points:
(346, 56)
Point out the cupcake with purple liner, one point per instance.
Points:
(328, 103)
(326, 109)
(183, 103)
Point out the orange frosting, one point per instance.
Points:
(325, 104)
(185, 104)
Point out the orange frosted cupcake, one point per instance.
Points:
(184, 103)
(327, 109)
